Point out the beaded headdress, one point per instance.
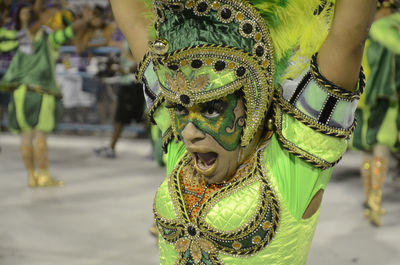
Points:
(207, 49)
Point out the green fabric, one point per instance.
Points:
(189, 30)
(298, 180)
(157, 143)
(290, 245)
(167, 253)
(162, 119)
(175, 152)
(46, 121)
(7, 34)
(36, 69)
(378, 116)
(246, 205)
(389, 136)
(315, 98)
(7, 40)
(386, 32)
(328, 148)
(29, 110)
(380, 82)
(18, 99)
(164, 204)
(61, 36)
(7, 46)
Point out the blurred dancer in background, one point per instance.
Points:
(378, 113)
(130, 105)
(35, 102)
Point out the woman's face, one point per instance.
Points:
(211, 133)
(25, 15)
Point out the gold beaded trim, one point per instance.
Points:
(333, 89)
(144, 63)
(160, 99)
(167, 138)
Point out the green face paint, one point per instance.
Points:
(222, 119)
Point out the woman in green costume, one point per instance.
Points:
(35, 103)
(256, 101)
(377, 131)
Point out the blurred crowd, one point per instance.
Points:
(86, 64)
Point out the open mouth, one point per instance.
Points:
(205, 161)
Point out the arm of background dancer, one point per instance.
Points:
(61, 36)
(87, 16)
(43, 18)
(339, 57)
(131, 18)
(38, 7)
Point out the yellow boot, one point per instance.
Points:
(45, 180)
(366, 177)
(32, 179)
(374, 201)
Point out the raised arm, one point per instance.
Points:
(340, 56)
(131, 18)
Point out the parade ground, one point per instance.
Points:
(103, 214)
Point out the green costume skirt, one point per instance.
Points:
(29, 110)
(378, 116)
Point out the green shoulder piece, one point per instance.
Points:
(319, 149)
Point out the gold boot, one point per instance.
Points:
(366, 177)
(45, 180)
(32, 179)
(374, 201)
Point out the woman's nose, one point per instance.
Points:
(192, 134)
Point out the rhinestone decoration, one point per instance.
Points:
(191, 230)
(247, 28)
(173, 67)
(255, 240)
(240, 71)
(236, 245)
(215, 5)
(185, 99)
(176, 7)
(219, 65)
(266, 225)
(196, 64)
(239, 16)
(225, 14)
(201, 8)
(189, 4)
